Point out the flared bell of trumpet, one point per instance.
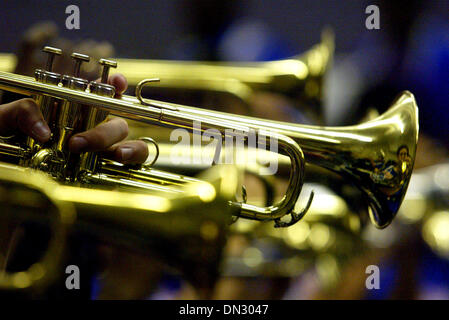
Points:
(300, 77)
(377, 156)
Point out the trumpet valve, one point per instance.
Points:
(47, 76)
(102, 88)
(51, 51)
(79, 59)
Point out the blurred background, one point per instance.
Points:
(410, 51)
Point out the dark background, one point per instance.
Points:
(148, 29)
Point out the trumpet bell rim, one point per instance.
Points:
(385, 201)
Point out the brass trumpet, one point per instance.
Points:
(300, 76)
(377, 156)
(71, 104)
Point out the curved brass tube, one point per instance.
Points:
(359, 152)
(327, 237)
(21, 191)
(377, 156)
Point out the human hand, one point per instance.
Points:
(108, 137)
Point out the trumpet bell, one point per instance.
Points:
(300, 77)
(383, 171)
(377, 156)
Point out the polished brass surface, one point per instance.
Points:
(377, 156)
(52, 160)
(300, 76)
(193, 221)
(25, 197)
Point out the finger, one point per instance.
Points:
(119, 82)
(24, 114)
(129, 152)
(101, 137)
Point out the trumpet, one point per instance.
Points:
(69, 103)
(193, 223)
(300, 76)
(377, 156)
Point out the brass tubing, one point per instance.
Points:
(200, 213)
(339, 148)
(377, 156)
(240, 79)
(171, 117)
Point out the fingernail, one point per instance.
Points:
(78, 144)
(126, 153)
(41, 130)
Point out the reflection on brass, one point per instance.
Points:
(377, 155)
(90, 169)
(185, 230)
(29, 196)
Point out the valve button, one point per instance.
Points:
(79, 58)
(51, 51)
(106, 65)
